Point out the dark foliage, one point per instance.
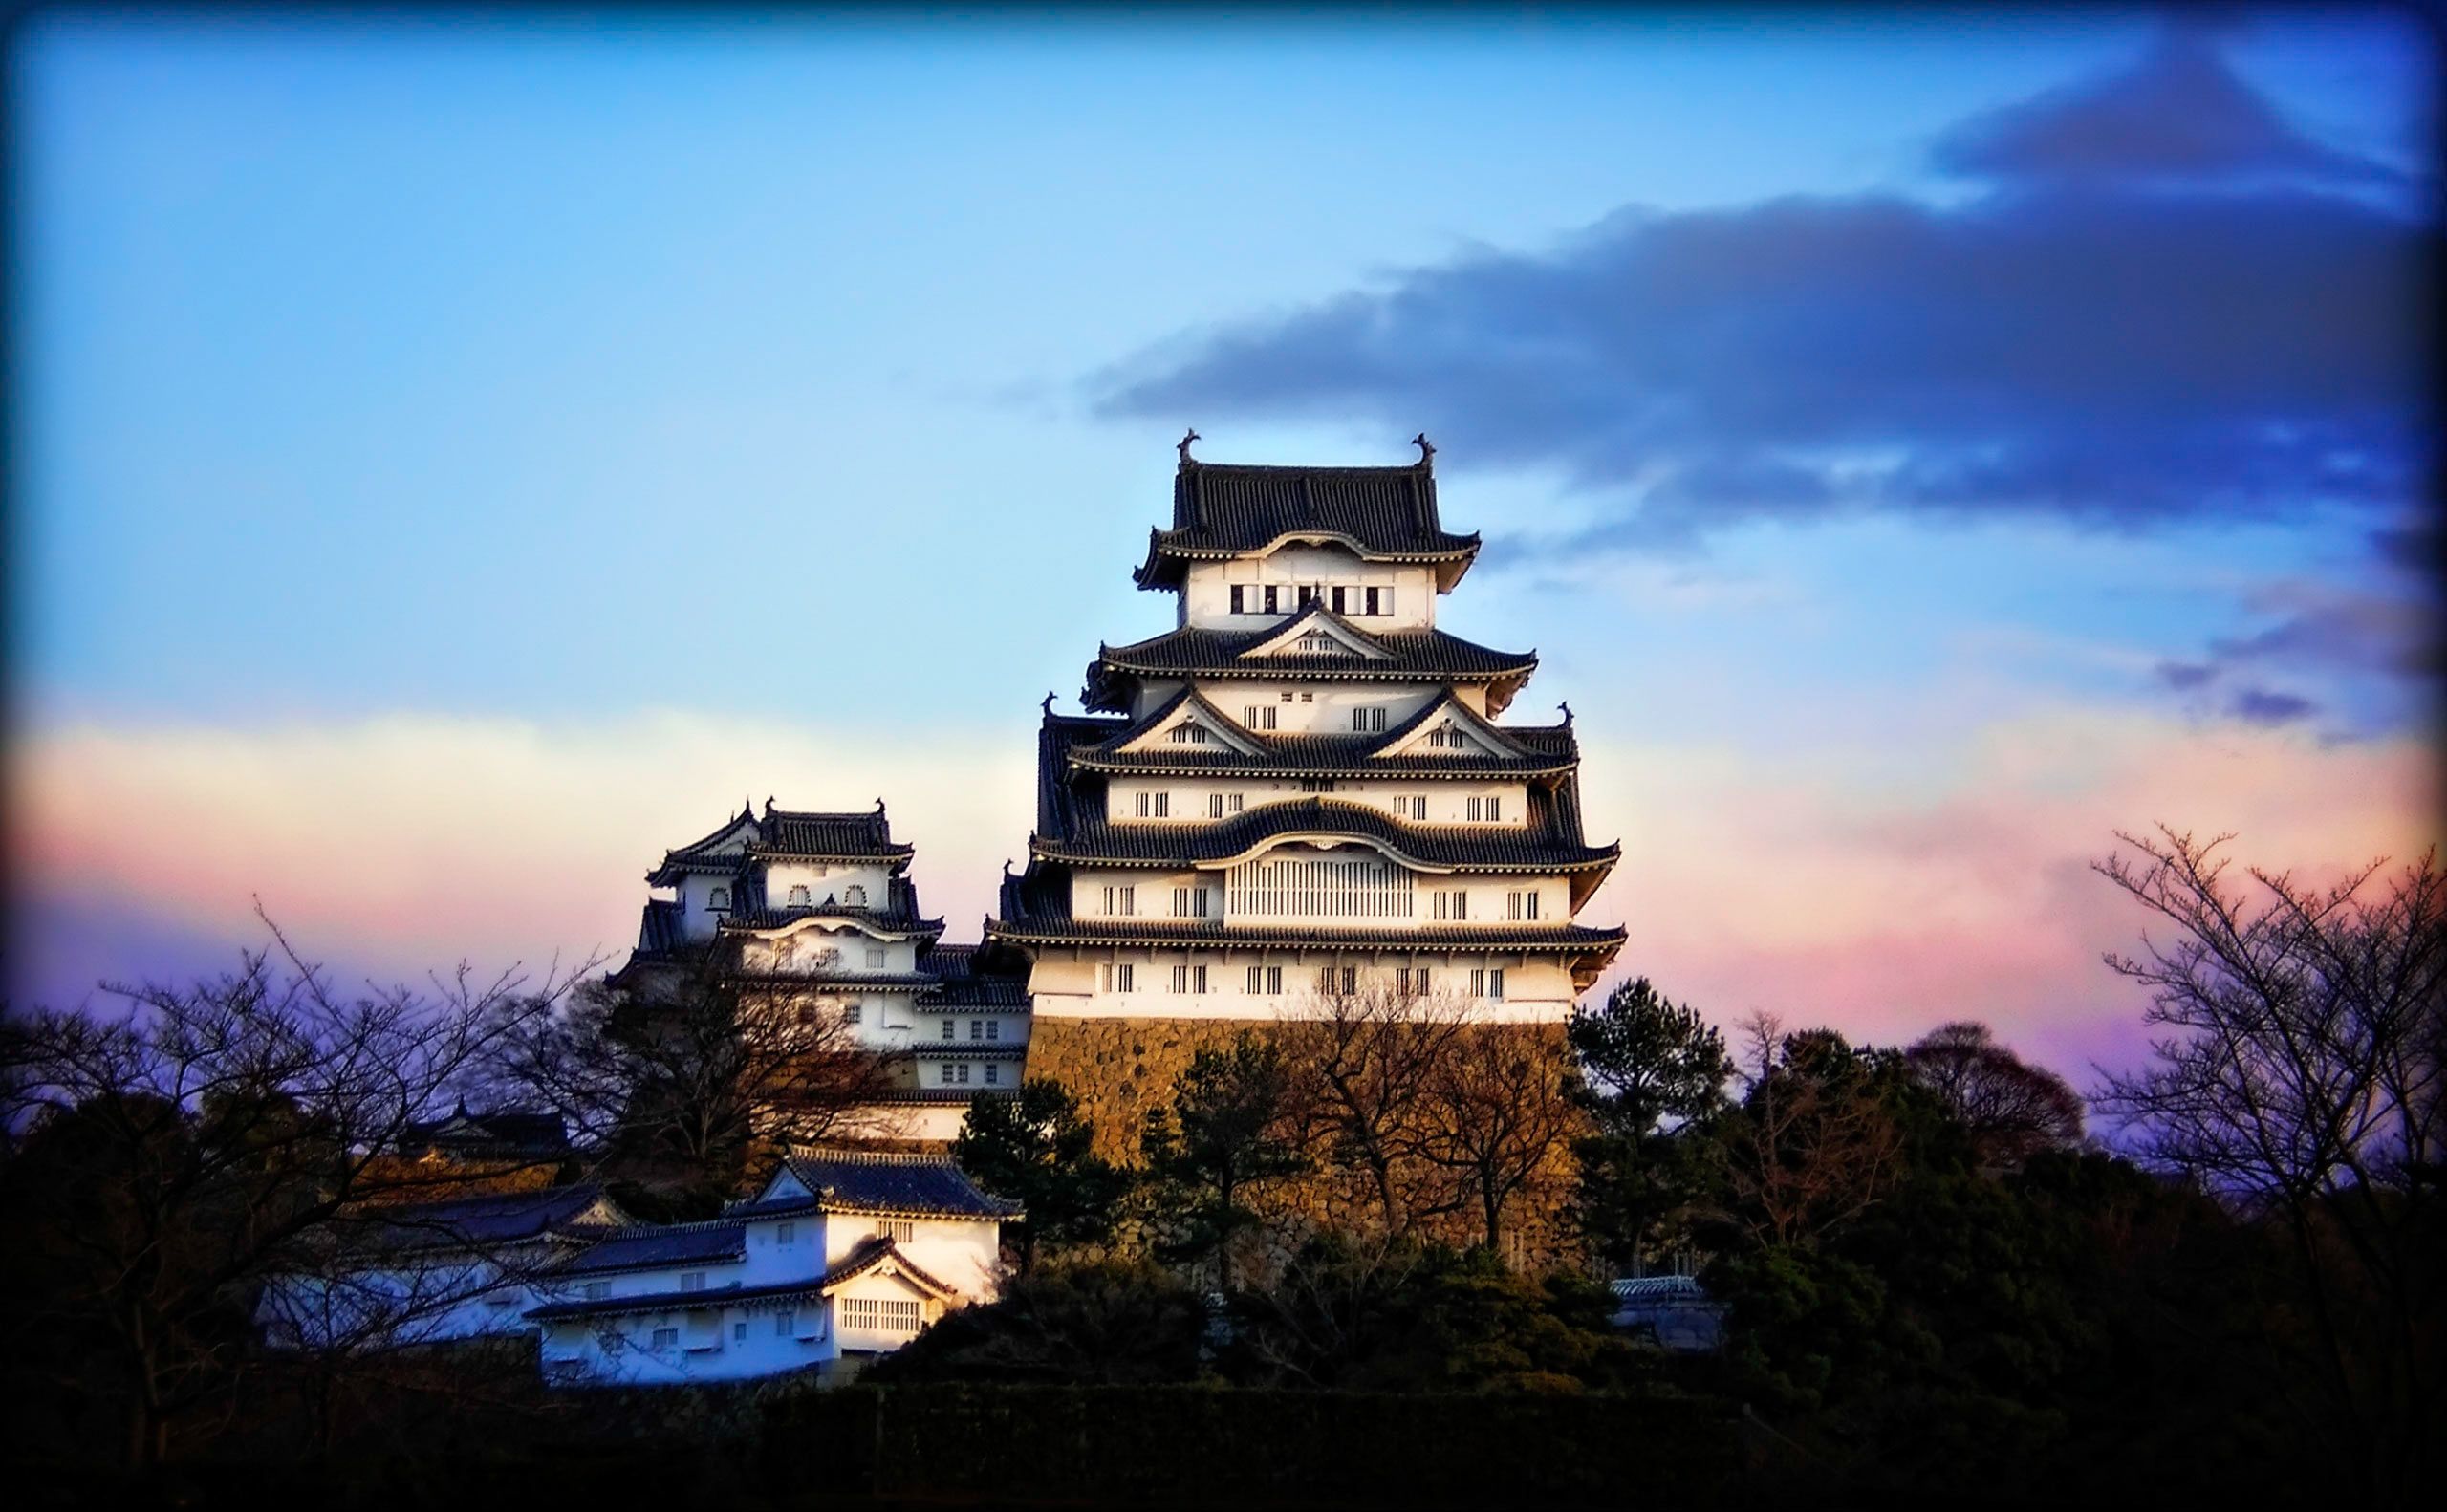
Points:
(1034, 1148)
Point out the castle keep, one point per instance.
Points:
(1304, 785)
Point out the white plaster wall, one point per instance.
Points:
(1206, 596)
(1315, 707)
(1067, 983)
(822, 879)
(1188, 797)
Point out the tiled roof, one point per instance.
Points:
(849, 835)
(659, 929)
(645, 1247)
(873, 1252)
(498, 1218)
(533, 1134)
(1419, 656)
(674, 1300)
(755, 919)
(1550, 749)
(876, 1182)
(1226, 509)
(1544, 843)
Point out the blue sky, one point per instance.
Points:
(542, 373)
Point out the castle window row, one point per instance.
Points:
(1268, 981)
(955, 1074)
(1282, 598)
(977, 1029)
(1158, 804)
(1188, 902)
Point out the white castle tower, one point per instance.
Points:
(1304, 785)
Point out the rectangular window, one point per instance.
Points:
(1411, 980)
(1269, 599)
(597, 1290)
(1418, 806)
(666, 1338)
(692, 1281)
(1187, 733)
(1198, 978)
(1317, 785)
(738, 1334)
(948, 1030)
(1475, 806)
(1239, 593)
(1265, 982)
(1376, 598)
(852, 1012)
(1180, 903)
(1486, 984)
(786, 1234)
(1234, 806)
(1287, 693)
(881, 1314)
(1326, 979)
(1368, 720)
(1181, 978)
(1307, 697)
(1308, 595)
(1512, 905)
(1495, 810)
(1120, 902)
(1215, 806)
(783, 1322)
(977, 1028)
(1144, 800)
(900, 1230)
(1258, 717)
(1163, 806)
(960, 1074)
(993, 1074)
(1338, 601)
(1455, 904)
(993, 1028)
(1122, 976)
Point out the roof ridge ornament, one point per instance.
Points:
(1426, 449)
(1565, 706)
(1047, 706)
(1182, 445)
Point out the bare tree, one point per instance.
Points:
(1368, 1062)
(701, 1076)
(1813, 1144)
(2300, 1071)
(1498, 1109)
(2011, 1109)
(173, 1160)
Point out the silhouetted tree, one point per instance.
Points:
(178, 1157)
(1499, 1111)
(698, 1078)
(2011, 1110)
(2299, 1070)
(1814, 1141)
(1366, 1063)
(1644, 1061)
(1033, 1147)
(1220, 1141)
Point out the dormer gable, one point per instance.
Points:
(1449, 730)
(1319, 632)
(1187, 725)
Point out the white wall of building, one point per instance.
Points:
(1086, 982)
(1191, 800)
(1409, 592)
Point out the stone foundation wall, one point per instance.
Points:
(1120, 1068)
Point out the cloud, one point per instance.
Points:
(1816, 884)
(2179, 115)
(400, 845)
(2080, 346)
(2263, 707)
(1813, 881)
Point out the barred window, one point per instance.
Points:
(1332, 889)
(880, 1314)
(799, 896)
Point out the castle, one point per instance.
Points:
(1302, 787)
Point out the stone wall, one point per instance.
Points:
(1120, 1068)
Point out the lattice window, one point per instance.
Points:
(880, 1314)
(1320, 889)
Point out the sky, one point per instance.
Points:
(454, 456)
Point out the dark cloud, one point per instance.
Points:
(2071, 345)
(2181, 113)
(2260, 706)
(2184, 676)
